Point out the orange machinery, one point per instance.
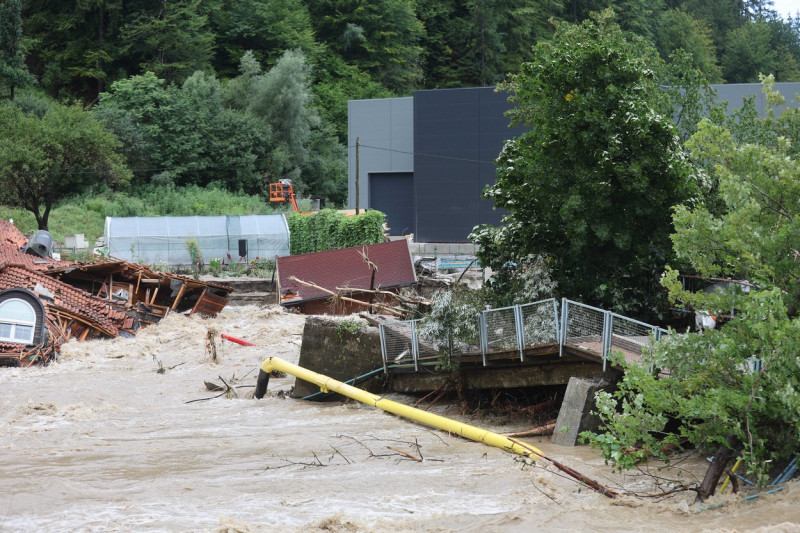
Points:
(283, 192)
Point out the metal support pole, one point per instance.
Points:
(414, 345)
(562, 337)
(484, 342)
(385, 355)
(555, 318)
(606, 343)
(358, 184)
(520, 332)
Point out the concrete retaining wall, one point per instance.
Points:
(337, 348)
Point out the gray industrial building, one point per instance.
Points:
(423, 160)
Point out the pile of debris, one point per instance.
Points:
(45, 302)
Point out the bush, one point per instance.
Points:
(330, 230)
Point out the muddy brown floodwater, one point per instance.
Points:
(102, 441)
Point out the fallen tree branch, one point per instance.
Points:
(401, 452)
(573, 473)
(381, 307)
(546, 429)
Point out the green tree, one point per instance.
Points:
(45, 159)
(478, 42)
(748, 53)
(265, 27)
(679, 30)
(186, 135)
(74, 45)
(13, 72)
(304, 148)
(592, 182)
(282, 98)
(735, 387)
(171, 39)
(380, 37)
(336, 83)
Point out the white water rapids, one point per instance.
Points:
(101, 441)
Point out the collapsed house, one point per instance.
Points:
(336, 281)
(45, 302)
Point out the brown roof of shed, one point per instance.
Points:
(345, 267)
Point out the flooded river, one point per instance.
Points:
(108, 439)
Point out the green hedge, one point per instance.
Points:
(330, 230)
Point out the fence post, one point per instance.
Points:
(482, 330)
(518, 322)
(385, 356)
(414, 345)
(555, 318)
(562, 335)
(607, 332)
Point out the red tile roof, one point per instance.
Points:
(72, 300)
(345, 268)
(10, 236)
(12, 239)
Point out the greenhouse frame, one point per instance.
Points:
(169, 240)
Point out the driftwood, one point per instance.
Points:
(381, 307)
(531, 409)
(401, 452)
(546, 429)
(605, 491)
(715, 470)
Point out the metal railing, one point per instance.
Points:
(520, 327)
(599, 331)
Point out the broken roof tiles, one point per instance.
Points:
(82, 299)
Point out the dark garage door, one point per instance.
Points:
(393, 194)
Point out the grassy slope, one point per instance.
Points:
(86, 214)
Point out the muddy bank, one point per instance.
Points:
(105, 440)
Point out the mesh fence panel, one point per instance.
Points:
(397, 339)
(629, 336)
(501, 330)
(584, 326)
(540, 323)
(426, 345)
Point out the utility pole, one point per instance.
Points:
(358, 192)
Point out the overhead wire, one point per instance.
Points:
(229, 166)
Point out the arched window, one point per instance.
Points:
(17, 321)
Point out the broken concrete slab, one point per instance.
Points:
(576, 415)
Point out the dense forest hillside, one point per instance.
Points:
(236, 93)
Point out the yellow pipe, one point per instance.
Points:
(328, 384)
(728, 479)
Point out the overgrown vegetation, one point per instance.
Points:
(452, 324)
(736, 387)
(329, 230)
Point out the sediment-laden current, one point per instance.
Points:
(104, 440)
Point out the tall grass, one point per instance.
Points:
(86, 213)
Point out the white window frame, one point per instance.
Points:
(14, 323)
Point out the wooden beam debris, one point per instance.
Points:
(378, 306)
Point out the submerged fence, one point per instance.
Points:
(521, 327)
